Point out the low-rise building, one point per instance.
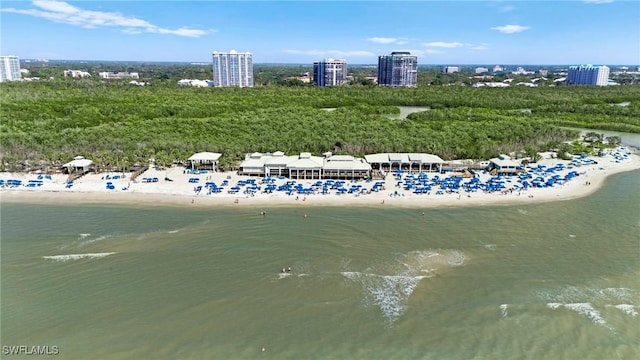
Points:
(305, 166)
(76, 73)
(451, 69)
(114, 75)
(504, 165)
(411, 162)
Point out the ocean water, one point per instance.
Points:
(558, 280)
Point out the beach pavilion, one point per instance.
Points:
(79, 163)
(306, 167)
(345, 167)
(276, 164)
(204, 161)
(253, 164)
(410, 162)
(504, 165)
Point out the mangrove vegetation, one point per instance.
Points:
(118, 124)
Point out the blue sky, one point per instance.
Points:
(438, 32)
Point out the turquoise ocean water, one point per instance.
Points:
(558, 280)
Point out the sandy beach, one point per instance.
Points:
(590, 173)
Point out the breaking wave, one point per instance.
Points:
(582, 300)
(388, 286)
(91, 241)
(627, 309)
(587, 310)
(503, 310)
(68, 257)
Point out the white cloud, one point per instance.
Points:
(383, 40)
(433, 51)
(388, 40)
(443, 44)
(510, 29)
(62, 12)
(597, 1)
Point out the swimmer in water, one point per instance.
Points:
(289, 269)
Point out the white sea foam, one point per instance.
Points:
(622, 294)
(522, 211)
(574, 294)
(503, 310)
(627, 309)
(68, 257)
(587, 310)
(82, 236)
(491, 247)
(554, 306)
(388, 286)
(91, 241)
(172, 231)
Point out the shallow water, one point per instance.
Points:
(555, 280)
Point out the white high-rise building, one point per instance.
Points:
(232, 69)
(10, 68)
(588, 75)
(398, 69)
(329, 72)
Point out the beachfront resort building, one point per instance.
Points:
(10, 68)
(588, 75)
(204, 161)
(398, 69)
(305, 166)
(78, 164)
(409, 162)
(232, 69)
(329, 72)
(504, 165)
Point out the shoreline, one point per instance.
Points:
(91, 190)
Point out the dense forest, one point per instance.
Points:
(48, 122)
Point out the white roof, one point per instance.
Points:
(78, 162)
(403, 158)
(205, 156)
(346, 162)
(279, 160)
(508, 163)
(312, 162)
(341, 158)
(252, 163)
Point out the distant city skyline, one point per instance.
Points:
(599, 32)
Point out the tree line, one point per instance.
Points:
(118, 125)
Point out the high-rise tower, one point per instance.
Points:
(398, 69)
(588, 75)
(232, 69)
(329, 72)
(9, 68)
